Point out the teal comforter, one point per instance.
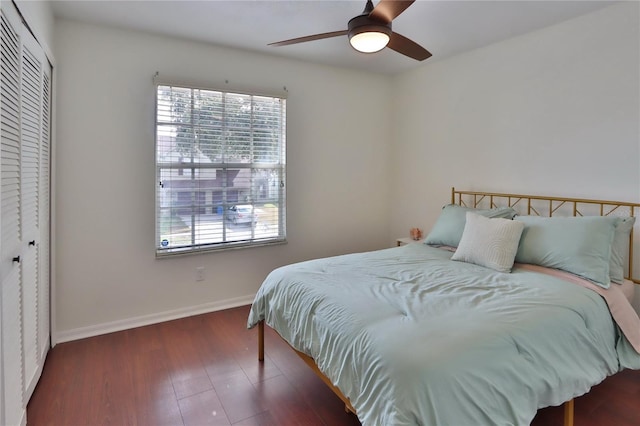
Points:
(413, 338)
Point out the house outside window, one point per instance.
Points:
(220, 168)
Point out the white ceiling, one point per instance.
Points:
(445, 28)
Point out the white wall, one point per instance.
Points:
(107, 275)
(553, 112)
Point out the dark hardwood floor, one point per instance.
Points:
(203, 370)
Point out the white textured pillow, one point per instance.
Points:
(492, 243)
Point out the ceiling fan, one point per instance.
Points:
(371, 31)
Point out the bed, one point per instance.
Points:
(445, 334)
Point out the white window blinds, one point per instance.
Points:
(220, 164)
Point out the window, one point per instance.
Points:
(220, 165)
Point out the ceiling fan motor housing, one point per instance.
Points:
(363, 24)
(368, 35)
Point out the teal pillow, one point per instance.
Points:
(580, 245)
(448, 229)
(620, 248)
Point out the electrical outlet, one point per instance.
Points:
(200, 273)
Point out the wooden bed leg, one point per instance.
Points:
(261, 341)
(568, 413)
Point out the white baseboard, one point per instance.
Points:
(125, 324)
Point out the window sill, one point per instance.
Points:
(160, 254)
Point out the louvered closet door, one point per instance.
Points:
(12, 361)
(24, 215)
(33, 61)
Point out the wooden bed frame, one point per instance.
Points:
(524, 205)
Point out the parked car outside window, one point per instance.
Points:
(242, 213)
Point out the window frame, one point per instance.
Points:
(222, 168)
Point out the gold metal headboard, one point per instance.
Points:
(552, 206)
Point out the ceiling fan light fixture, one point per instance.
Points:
(367, 35)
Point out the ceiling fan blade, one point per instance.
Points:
(309, 38)
(387, 10)
(407, 47)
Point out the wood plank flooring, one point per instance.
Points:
(203, 370)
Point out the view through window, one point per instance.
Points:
(220, 165)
